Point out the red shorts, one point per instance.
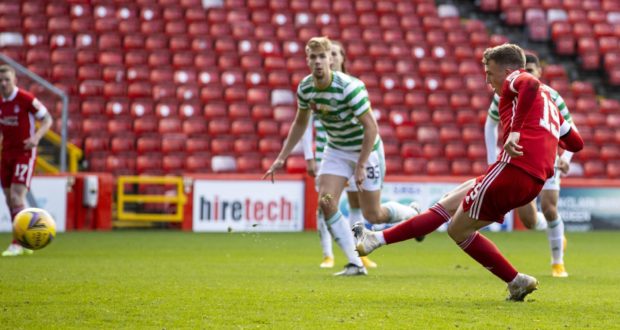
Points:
(17, 168)
(503, 188)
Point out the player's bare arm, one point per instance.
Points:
(46, 124)
(294, 135)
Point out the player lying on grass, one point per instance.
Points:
(354, 148)
(532, 126)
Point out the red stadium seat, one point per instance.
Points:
(96, 144)
(432, 150)
(438, 167)
(455, 150)
(476, 151)
(215, 110)
(142, 107)
(145, 125)
(219, 126)
(267, 128)
(410, 149)
(428, 134)
(295, 164)
(122, 143)
(243, 127)
(120, 164)
(613, 169)
(405, 132)
(198, 163)
(594, 168)
(169, 125)
(148, 144)
(268, 145)
(414, 166)
(149, 164)
(245, 145)
(120, 125)
(449, 133)
(250, 163)
(223, 145)
(461, 167)
(173, 163)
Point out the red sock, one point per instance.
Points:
(486, 253)
(14, 212)
(417, 226)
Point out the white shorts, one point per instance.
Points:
(553, 183)
(351, 186)
(342, 163)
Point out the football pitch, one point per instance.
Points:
(172, 280)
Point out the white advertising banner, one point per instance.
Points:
(221, 205)
(48, 193)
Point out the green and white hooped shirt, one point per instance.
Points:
(337, 108)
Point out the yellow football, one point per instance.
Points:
(34, 228)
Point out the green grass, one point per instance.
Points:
(171, 280)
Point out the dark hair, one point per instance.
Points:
(531, 58)
(509, 55)
(344, 56)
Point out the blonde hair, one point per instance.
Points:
(4, 68)
(507, 55)
(319, 44)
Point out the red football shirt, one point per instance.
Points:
(17, 116)
(541, 129)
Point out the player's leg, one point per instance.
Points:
(330, 189)
(370, 196)
(22, 167)
(555, 231)
(326, 241)
(464, 231)
(356, 216)
(8, 173)
(528, 214)
(355, 211)
(487, 202)
(16, 202)
(419, 225)
(324, 236)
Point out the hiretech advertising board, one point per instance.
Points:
(247, 205)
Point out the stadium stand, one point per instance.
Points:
(166, 86)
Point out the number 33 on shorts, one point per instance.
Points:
(373, 172)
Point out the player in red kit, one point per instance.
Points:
(18, 111)
(532, 126)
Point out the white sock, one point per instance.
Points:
(541, 222)
(340, 230)
(555, 234)
(325, 236)
(398, 212)
(355, 216)
(380, 237)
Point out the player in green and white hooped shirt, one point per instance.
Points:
(353, 148)
(313, 160)
(549, 218)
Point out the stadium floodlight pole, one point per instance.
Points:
(55, 90)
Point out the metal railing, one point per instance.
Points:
(123, 197)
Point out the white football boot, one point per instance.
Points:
(365, 240)
(352, 270)
(521, 286)
(15, 250)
